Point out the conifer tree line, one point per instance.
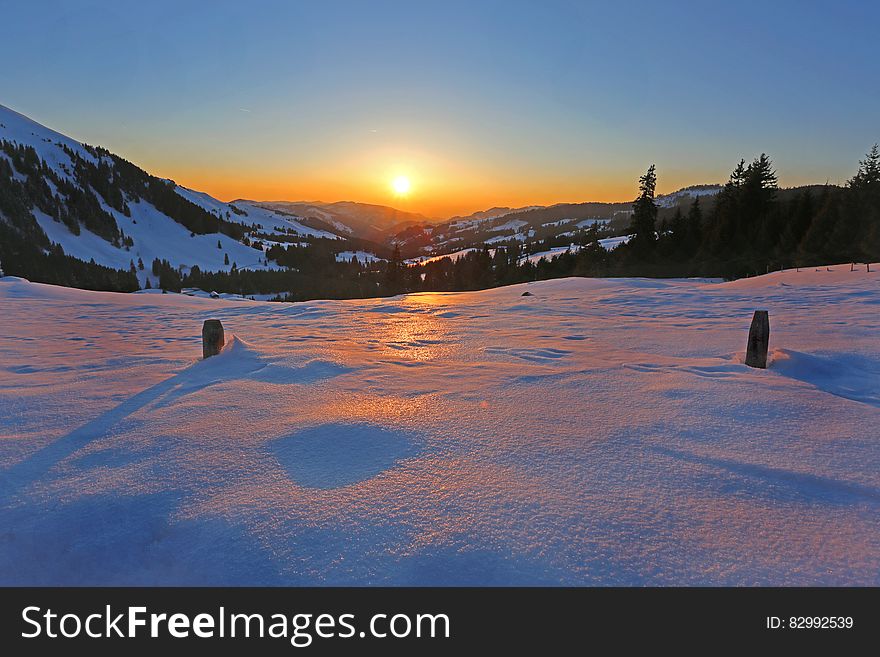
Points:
(752, 226)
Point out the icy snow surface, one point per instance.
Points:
(597, 432)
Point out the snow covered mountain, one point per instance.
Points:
(98, 207)
(687, 193)
(535, 229)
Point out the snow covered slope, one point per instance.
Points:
(695, 191)
(153, 234)
(18, 128)
(597, 432)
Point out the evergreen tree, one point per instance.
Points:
(394, 271)
(644, 215)
(868, 174)
(226, 259)
(862, 225)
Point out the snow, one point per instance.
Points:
(586, 223)
(18, 128)
(362, 256)
(513, 224)
(519, 237)
(155, 235)
(549, 254)
(455, 255)
(599, 432)
(607, 243)
(270, 220)
(610, 243)
(670, 200)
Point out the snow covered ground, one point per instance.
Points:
(597, 432)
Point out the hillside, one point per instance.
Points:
(98, 207)
(598, 432)
(534, 228)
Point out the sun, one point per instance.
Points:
(400, 185)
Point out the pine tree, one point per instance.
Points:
(140, 264)
(644, 214)
(694, 227)
(394, 271)
(760, 176)
(862, 227)
(756, 227)
(219, 245)
(868, 174)
(226, 259)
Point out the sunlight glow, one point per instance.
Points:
(400, 185)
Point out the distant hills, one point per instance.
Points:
(79, 208)
(362, 220)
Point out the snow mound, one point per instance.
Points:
(852, 376)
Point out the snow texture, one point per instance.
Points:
(599, 432)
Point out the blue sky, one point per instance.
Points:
(479, 103)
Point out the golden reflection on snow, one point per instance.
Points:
(416, 336)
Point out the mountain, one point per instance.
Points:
(491, 213)
(74, 214)
(533, 228)
(361, 220)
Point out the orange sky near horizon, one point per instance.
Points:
(437, 196)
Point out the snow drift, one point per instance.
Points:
(597, 432)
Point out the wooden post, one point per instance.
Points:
(212, 337)
(759, 340)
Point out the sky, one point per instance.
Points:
(477, 103)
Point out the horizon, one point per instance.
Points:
(473, 107)
(436, 219)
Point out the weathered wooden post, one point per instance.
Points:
(212, 337)
(759, 340)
